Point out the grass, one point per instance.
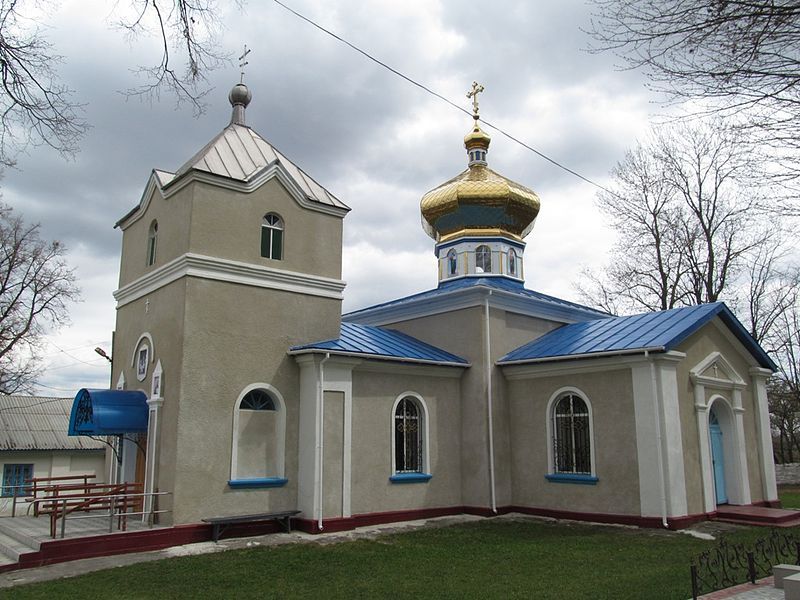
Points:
(789, 496)
(489, 559)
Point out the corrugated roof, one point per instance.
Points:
(505, 284)
(37, 423)
(656, 331)
(377, 342)
(238, 152)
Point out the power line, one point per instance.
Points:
(440, 96)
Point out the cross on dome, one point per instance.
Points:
(477, 88)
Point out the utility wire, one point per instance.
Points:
(441, 97)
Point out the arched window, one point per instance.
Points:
(152, 239)
(272, 237)
(408, 437)
(452, 263)
(571, 433)
(259, 430)
(483, 259)
(512, 262)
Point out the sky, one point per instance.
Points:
(375, 141)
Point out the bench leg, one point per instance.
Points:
(215, 532)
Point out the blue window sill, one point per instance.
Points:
(572, 478)
(410, 477)
(258, 482)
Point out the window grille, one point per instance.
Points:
(16, 479)
(257, 400)
(408, 437)
(272, 237)
(571, 436)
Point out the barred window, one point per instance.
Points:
(408, 428)
(571, 436)
(16, 480)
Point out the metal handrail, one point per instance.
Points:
(113, 503)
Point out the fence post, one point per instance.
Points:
(694, 582)
(751, 567)
(797, 552)
(63, 517)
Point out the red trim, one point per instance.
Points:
(639, 521)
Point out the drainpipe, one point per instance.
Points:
(488, 367)
(659, 441)
(321, 431)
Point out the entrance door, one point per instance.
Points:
(717, 459)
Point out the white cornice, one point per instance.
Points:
(275, 170)
(467, 298)
(586, 365)
(208, 267)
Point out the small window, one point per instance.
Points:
(257, 400)
(272, 237)
(512, 262)
(571, 436)
(152, 240)
(452, 263)
(408, 437)
(483, 259)
(16, 480)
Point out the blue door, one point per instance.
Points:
(717, 459)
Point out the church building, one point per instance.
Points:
(253, 393)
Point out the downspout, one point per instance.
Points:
(659, 441)
(321, 431)
(488, 367)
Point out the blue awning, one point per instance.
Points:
(108, 412)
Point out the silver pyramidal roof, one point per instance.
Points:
(238, 152)
(39, 423)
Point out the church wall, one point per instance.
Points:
(374, 394)
(237, 336)
(227, 224)
(610, 393)
(462, 332)
(697, 347)
(161, 315)
(174, 219)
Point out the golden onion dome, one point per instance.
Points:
(478, 201)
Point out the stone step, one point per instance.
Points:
(14, 532)
(11, 549)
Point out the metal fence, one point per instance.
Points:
(726, 565)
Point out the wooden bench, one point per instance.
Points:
(218, 524)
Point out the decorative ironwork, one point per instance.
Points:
(726, 565)
(571, 442)
(257, 400)
(84, 413)
(408, 437)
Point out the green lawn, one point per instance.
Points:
(790, 496)
(491, 558)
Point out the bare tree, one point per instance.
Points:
(36, 108)
(36, 285)
(784, 388)
(737, 57)
(687, 227)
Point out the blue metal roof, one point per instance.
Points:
(505, 284)
(656, 331)
(376, 342)
(108, 412)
